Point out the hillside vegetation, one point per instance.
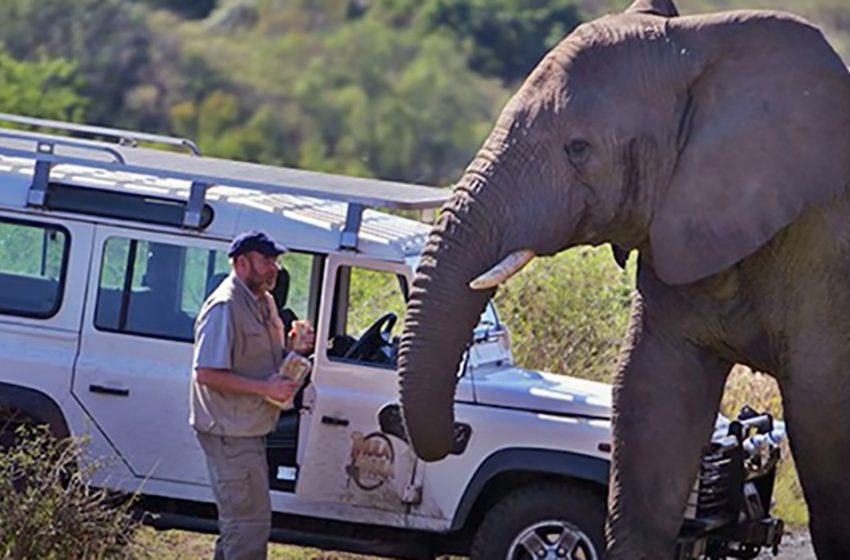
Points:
(396, 89)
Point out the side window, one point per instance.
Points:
(155, 289)
(369, 308)
(298, 286)
(203, 272)
(33, 258)
(299, 267)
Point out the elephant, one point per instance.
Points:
(716, 148)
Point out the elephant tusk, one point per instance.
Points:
(509, 266)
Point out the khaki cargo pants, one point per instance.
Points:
(240, 483)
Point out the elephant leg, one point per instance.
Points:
(666, 398)
(817, 409)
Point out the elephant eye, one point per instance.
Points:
(577, 150)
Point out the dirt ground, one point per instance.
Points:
(795, 546)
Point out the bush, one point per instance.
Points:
(568, 314)
(47, 509)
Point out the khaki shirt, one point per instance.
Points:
(234, 331)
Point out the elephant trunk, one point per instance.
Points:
(443, 311)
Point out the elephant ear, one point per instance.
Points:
(664, 8)
(763, 136)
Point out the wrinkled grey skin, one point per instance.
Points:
(718, 148)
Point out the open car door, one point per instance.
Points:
(353, 452)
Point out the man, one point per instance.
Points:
(238, 353)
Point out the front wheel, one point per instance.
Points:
(543, 521)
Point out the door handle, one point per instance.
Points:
(334, 421)
(109, 390)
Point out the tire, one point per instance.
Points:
(546, 516)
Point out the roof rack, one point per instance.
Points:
(123, 137)
(203, 173)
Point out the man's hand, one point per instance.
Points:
(275, 387)
(279, 389)
(303, 336)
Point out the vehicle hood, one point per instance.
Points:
(523, 389)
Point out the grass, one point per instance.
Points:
(182, 545)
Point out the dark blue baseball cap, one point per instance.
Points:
(254, 241)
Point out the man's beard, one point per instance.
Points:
(255, 281)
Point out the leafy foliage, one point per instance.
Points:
(349, 96)
(372, 294)
(388, 105)
(568, 313)
(31, 250)
(46, 88)
(397, 89)
(105, 39)
(47, 509)
(508, 37)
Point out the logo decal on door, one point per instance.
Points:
(372, 458)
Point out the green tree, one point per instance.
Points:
(47, 89)
(506, 38)
(343, 91)
(106, 39)
(392, 104)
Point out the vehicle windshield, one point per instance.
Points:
(489, 319)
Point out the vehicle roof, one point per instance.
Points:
(304, 210)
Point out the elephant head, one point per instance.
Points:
(693, 140)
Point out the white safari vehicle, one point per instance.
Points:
(107, 251)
